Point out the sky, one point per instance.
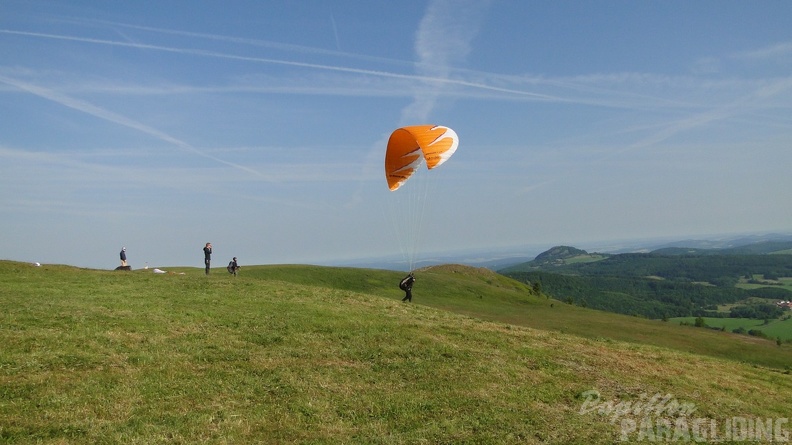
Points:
(261, 127)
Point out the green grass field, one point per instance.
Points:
(783, 283)
(779, 328)
(301, 354)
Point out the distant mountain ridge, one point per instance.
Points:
(560, 253)
(498, 258)
(758, 248)
(666, 282)
(564, 255)
(714, 243)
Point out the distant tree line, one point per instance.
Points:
(758, 311)
(633, 296)
(723, 270)
(661, 287)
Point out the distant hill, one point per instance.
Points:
(667, 282)
(561, 256)
(759, 248)
(674, 251)
(559, 253)
(498, 258)
(555, 257)
(714, 242)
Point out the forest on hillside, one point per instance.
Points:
(660, 286)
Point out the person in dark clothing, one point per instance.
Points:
(123, 257)
(207, 256)
(406, 285)
(233, 266)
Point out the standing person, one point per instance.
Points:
(233, 266)
(406, 285)
(123, 257)
(207, 256)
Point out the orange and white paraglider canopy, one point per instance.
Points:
(409, 146)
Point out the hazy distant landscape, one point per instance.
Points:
(497, 258)
(743, 286)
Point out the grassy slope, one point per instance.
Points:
(483, 294)
(296, 354)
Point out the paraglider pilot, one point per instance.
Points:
(406, 285)
(233, 266)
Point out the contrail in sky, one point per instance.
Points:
(335, 32)
(110, 116)
(256, 42)
(424, 65)
(204, 53)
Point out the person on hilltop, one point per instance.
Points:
(406, 285)
(233, 266)
(123, 257)
(207, 256)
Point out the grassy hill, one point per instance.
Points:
(301, 354)
(486, 295)
(556, 258)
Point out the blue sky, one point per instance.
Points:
(261, 126)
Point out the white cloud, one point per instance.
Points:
(776, 51)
